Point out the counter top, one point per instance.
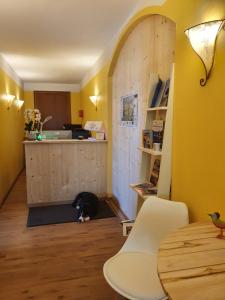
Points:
(68, 141)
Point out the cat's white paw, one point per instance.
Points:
(81, 219)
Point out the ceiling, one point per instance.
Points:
(58, 40)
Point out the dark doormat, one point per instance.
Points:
(56, 214)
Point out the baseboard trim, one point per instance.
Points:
(41, 204)
(115, 206)
(62, 202)
(11, 187)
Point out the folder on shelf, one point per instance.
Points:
(156, 93)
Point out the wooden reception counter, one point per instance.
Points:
(57, 170)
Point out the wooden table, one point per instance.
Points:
(191, 263)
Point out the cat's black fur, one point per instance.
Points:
(86, 205)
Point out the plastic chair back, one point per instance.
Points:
(157, 217)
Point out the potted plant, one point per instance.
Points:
(32, 123)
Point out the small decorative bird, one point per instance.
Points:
(218, 223)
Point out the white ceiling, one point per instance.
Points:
(58, 40)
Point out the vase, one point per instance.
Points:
(31, 135)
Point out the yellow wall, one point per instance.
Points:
(199, 113)
(199, 116)
(28, 99)
(11, 133)
(96, 86)
(75, 104)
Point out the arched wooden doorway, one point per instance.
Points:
(148, 50)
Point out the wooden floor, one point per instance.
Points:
(61, 261)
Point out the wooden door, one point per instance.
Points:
(55, 104)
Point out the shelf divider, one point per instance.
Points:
(157, 108)
(140, 194)
(150, 151)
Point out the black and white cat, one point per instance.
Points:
(86, 205)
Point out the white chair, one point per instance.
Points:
(132, 272)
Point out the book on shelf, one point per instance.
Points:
(160, 95)
(156, 166)
(147, 138)
(158, 138)
(154, 176)
(149, 188)
(164, 95)
(157, 131)
(153, 99)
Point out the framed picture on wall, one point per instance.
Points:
(129, 110)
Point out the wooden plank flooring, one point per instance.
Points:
(61, 261)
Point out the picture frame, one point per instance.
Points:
(129, 110)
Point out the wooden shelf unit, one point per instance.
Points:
(147, 161)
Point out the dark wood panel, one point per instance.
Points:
(56, 104)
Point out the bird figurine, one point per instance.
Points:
(218, 223)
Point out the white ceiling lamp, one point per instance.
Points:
(203, 39)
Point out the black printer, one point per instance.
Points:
(77, 131)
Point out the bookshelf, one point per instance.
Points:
(149, 156)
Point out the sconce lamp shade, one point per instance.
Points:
(94, 100)
(203, 41)
(19, 103)
(9, 99)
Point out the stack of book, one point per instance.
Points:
(146, 189)
(154, 135)
(150, 188)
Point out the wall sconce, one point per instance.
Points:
(9, 99)
(94, 100)
(19, 103)
(203, 39)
